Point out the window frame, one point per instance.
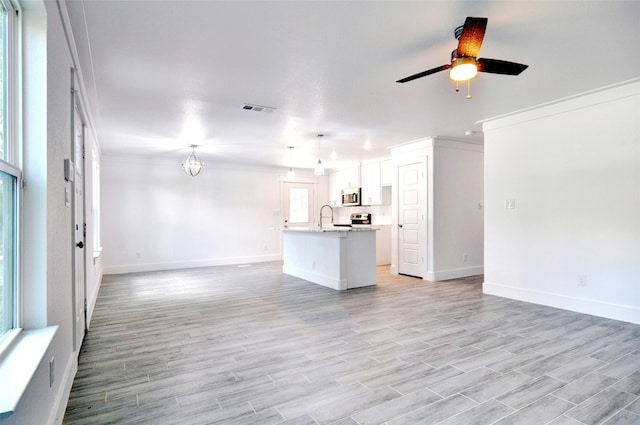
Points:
(12, 160)
(7, 339)
(95, 202)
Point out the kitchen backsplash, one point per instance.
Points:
(381, 214)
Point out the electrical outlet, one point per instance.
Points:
(52, 375)
(464, 258)
(138, 255)
(582, 280)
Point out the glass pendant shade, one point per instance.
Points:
(319, 170)
(193, 164)
(291, 175)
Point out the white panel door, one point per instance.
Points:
(411, 230)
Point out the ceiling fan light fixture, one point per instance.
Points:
(463, 69)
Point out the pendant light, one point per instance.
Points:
(290, 174)
(319, 170)
(193, 164)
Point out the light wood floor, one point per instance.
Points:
(249, 345)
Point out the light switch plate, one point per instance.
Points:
(68, 170)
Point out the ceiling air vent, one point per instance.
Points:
(258, 108)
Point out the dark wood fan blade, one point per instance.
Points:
(472, 35)
(496, 66)
(424, 73)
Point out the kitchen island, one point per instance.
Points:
(336, 257)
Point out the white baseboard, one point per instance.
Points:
(173, 265)
(91, 303)
(62, 397)
(623, 313)
(316, 278)
(435, 276)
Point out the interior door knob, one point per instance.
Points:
(399, 225)
(80, 244)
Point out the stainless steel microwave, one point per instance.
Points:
(351, 197)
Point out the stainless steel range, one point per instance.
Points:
(361, 219)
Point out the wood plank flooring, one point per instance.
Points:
(249, 345)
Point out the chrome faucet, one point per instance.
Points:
(321, 208)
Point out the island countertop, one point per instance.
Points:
(330, 229)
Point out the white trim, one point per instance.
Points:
(7, 342)
(435, 276)
(91, 303)
(172, 265)
(97, 252)
(598, 96)
(56, 414)
(82, 90)
(598, 308)
(20, 365)
(317, 278)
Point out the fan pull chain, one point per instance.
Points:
(468, 89)
(457, 86)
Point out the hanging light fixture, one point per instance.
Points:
(193, 164)
(319, 170)
(290, 174)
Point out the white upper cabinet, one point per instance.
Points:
(351, 177)
(335, 188)
(369, 176)
(386, 177)
(371, 188)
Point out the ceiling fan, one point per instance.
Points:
(464, 60)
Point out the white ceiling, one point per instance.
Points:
(155, 69)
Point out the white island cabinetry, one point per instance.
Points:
(335, 258)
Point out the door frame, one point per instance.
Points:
(423, 246)
(419, 151)
(78, 292)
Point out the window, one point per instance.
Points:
(95, 202)
(8, 243)
(298, 205)
(10, 178)
(4, 48)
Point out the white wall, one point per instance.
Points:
(457, 222)
(453, 225)
(573, 170)
(156, 217)
(47, 244)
